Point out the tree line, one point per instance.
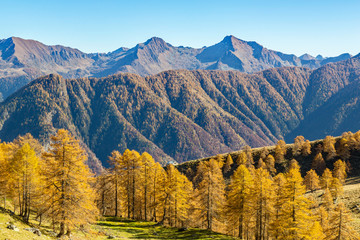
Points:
(255, 202)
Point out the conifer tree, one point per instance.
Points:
(326, 179)
(229, 162)
(298, 143)
(115, 161)
(241, 159)
(177, 194)
(280, 151)
(131, 179)
(296, 215)
(24, 177)
(329, 147)
(316, 232)
(339, 171)
(239, 199)
(148, 164)
(312, 181)
(340, 228)
(104, 186)
(327, 200)
(318, 163)
(69, 195)
(211, 193)
(158, 182)
(270, 164)
(278, 202)
(323, 218)
(336, 188)
(263, 203)
(4, 171)
(261, 164)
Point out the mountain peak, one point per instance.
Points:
(306, 57)
(155, 41)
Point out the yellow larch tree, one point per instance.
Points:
(339, 171)
(280, 151)
(327, 200)
(263, 203)
(104, 186)
(211, 193)
(311, 181)
(270, 164)
(295, 212)
(115, 161)
(340, 227)
(227, 166)
(278, 201)
(326, 179)
(24, 177)
(158, 182)
(316, 232)
(318, 163)
(69, 195)
(130, 168)
(148, 165)
(178, 190)
(239, 198)
(329, 147)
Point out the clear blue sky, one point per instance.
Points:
(324, 27)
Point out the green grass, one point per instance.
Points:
(117, 227)
(22, 234)
(129, 229)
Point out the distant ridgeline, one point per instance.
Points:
(317, 155)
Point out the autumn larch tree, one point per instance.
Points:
(318, 163)
(280, 151)
(311, 180)
(329, 147)
(115, 161)
(229, 162)
(339, 171)
(69, 195)
(24, 177)
(263, 202)
(239, 199)
(211, 193)
(340, 228)
(296, 215)
(326, 179)
(177, 195)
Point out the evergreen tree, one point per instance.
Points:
(68, 191)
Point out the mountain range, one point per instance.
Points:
(179, 115)
(22, 61)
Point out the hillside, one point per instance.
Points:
(24, 60)
(183, 115)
